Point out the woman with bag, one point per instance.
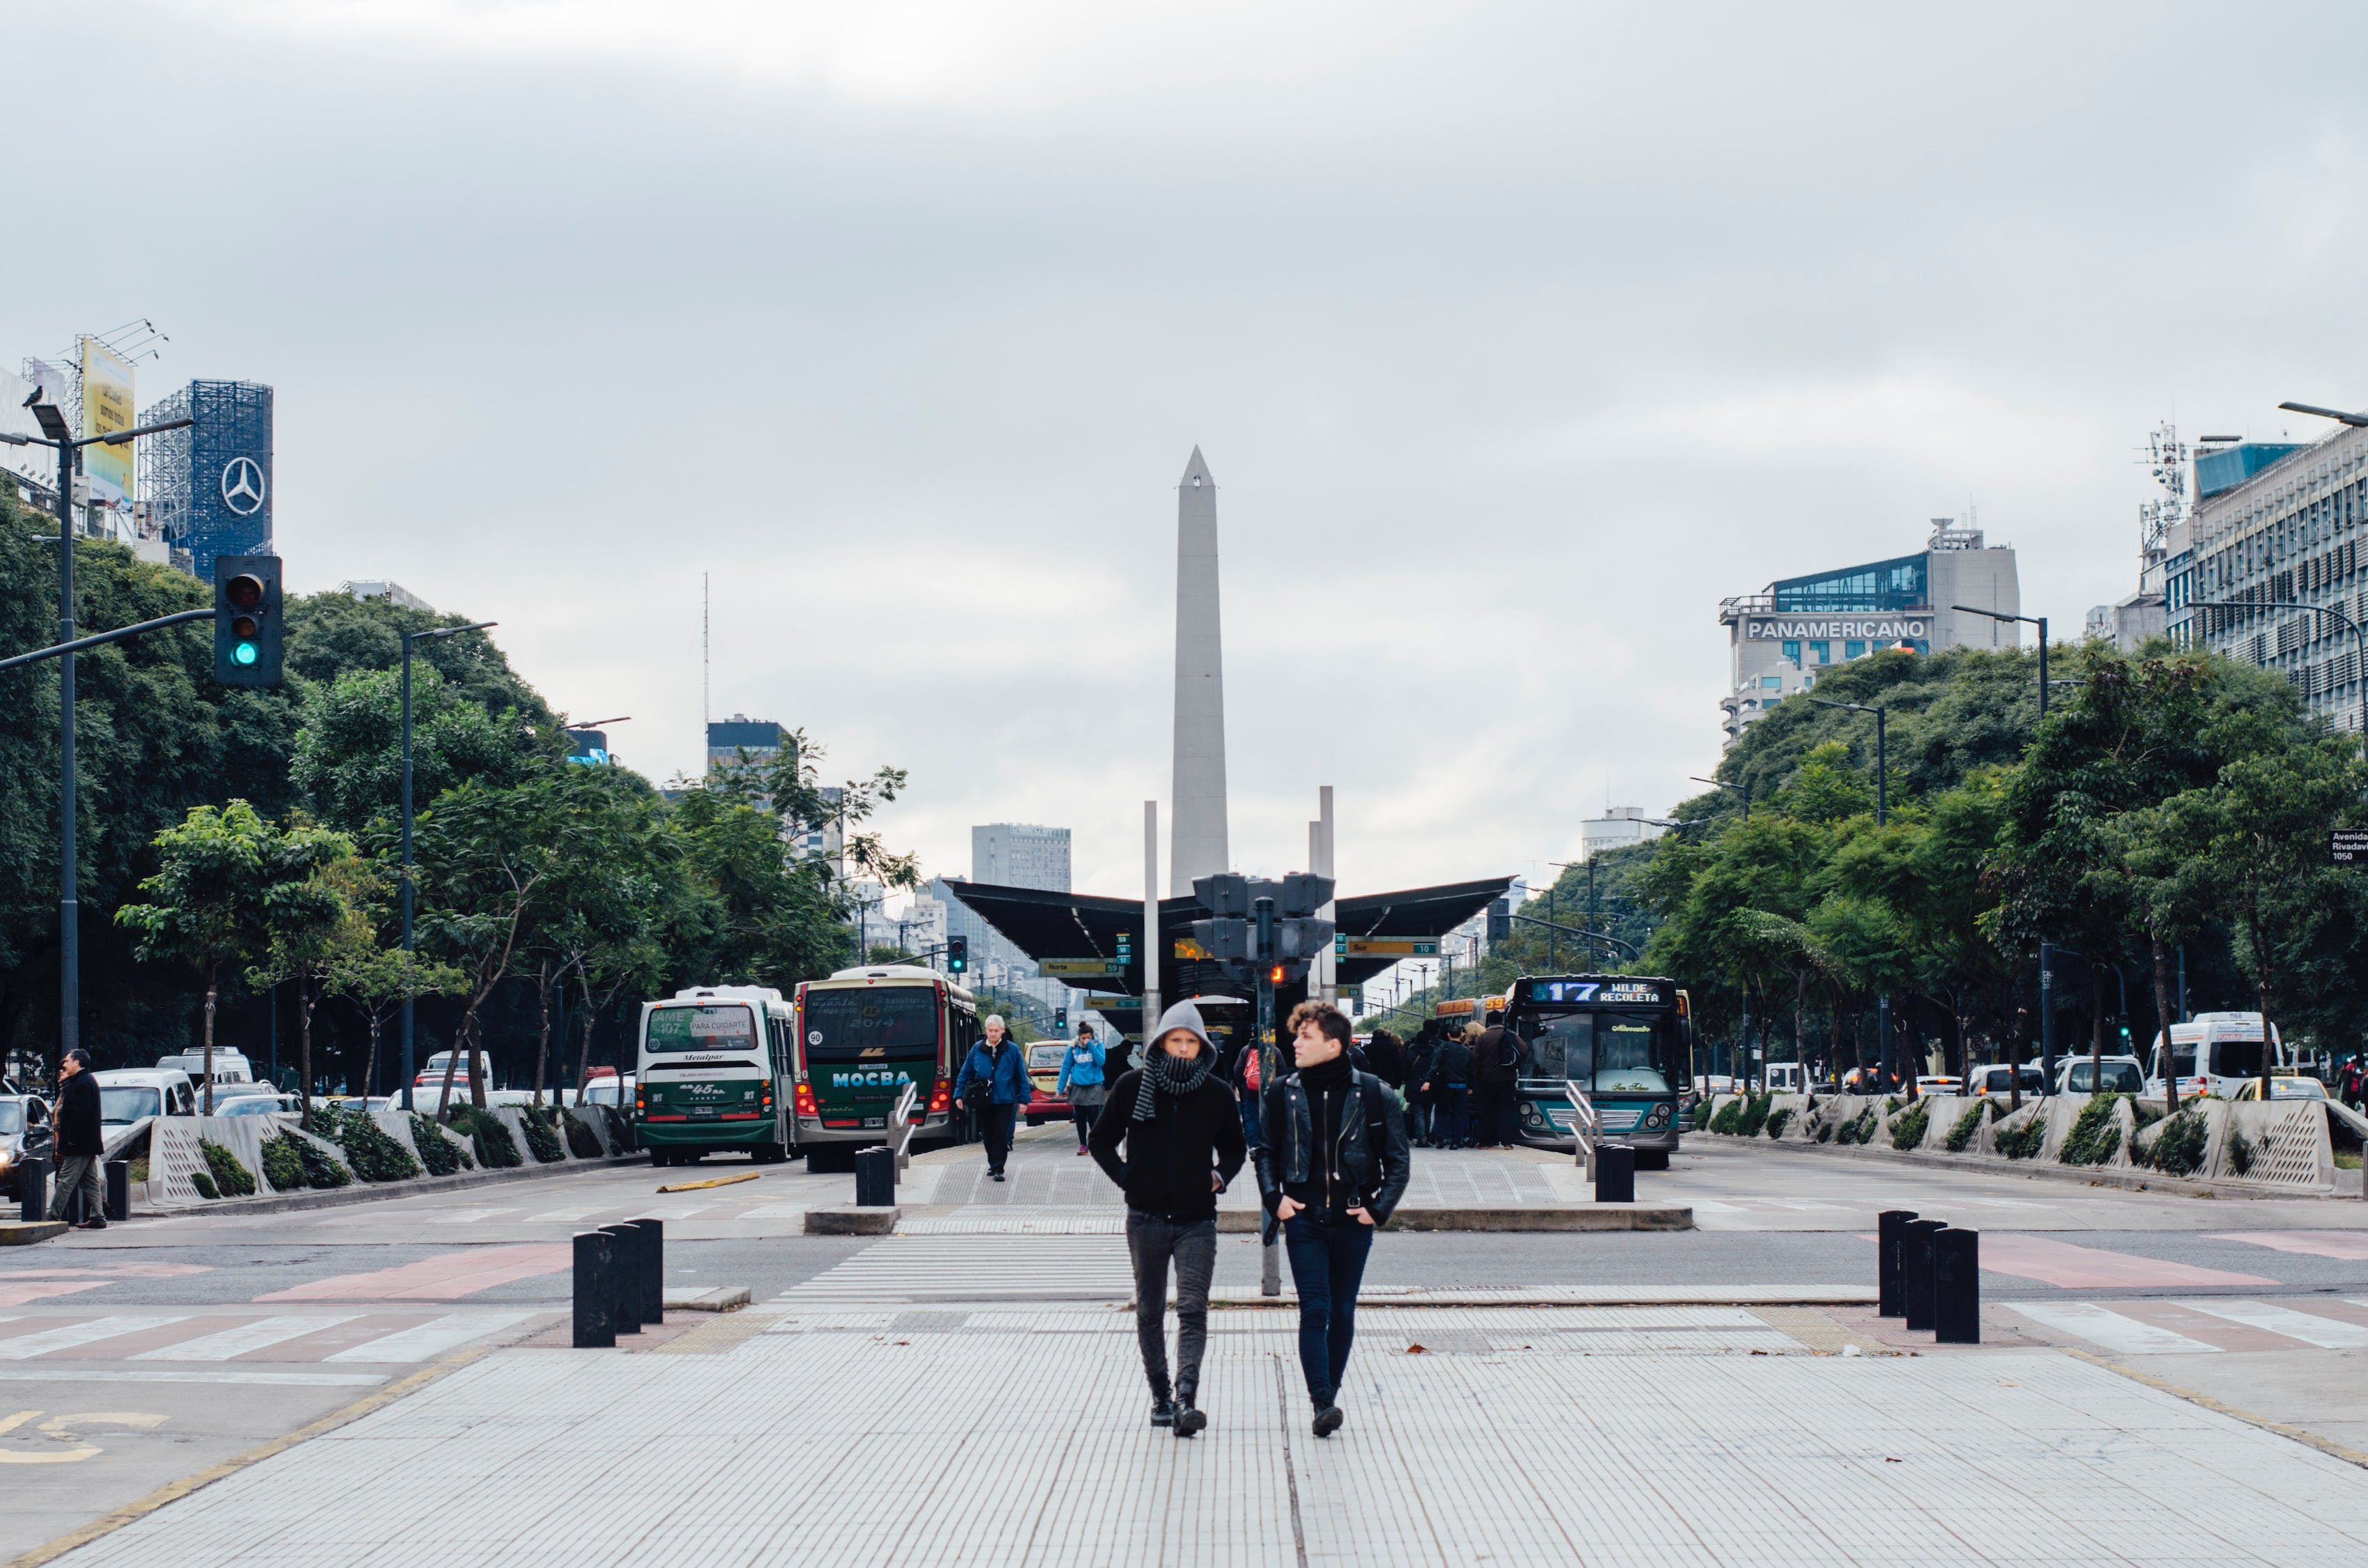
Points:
(994, 1079)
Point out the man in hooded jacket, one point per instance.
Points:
(1183, 1142)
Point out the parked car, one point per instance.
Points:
(25, 1133)
(271, 1103)
(229, 1066)
(1933, 1084)
(2115, 1074)
(128, 1093)
(610, 1090)
(1998, 1078)
(2282, 1087)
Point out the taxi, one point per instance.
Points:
(1045, 1100)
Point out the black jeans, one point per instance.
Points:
(1327, 1264)
(1084, 1115)
(1447, 1114)
(1152, 1241)
(1492, 1114)
(996, 1128)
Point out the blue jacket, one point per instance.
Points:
(1005, 1071)
(1081, 1064)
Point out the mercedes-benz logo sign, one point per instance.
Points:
(243, 485)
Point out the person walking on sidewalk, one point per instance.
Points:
(1081, 1080)
(1183, 1139)
(80, 1143)
(995, 1080)
(1496, 1060)
(1332, 1164)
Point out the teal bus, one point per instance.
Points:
(1622, 1038)
(712, 1074)
(863, 1035)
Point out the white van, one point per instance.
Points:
(2213, 1052)
(229, 1066)
(127, 1094)
(1785, 1078)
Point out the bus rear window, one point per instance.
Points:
(730, 1027)
(857, 1025)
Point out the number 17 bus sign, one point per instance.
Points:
(2347, 846)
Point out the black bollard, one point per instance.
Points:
(653, 1303)
(33, 1190)
(595, 1291)
(875, 1178)
(624, 1276)
(1615, 1173)
(1916, 1272)
(1957, 1287)
(1887, 1224)
(119, 1189)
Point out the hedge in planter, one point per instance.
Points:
(1728, 1118)
(1907, 1132)
(374, 1155)
(2095, 1133)
(542, 1135)
(435, 1150)
(1858, 1129)
(1777, 1121)
(223, 1175)
(1961, 1137)
(1754, 1116)
(582, 1141)
(2177, 1149)
(2022, 1142)
(496, 1150)
(302, 1165)
(1702, 1113)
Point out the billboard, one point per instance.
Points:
(107, 405)
(209, 485)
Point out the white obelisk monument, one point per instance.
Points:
(1197, 809)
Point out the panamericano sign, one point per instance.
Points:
(1874, 628)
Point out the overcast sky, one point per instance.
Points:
(1516, 335)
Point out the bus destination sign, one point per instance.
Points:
(2347, 846)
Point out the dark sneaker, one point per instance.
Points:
(90, 1225)
(1162, 1413)
(1327, 1420)
(996, 1175)
(1190, 1419)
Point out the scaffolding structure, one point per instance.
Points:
(181, 471)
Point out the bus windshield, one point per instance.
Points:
(728, 1026)
(877, 1021)
(1617, 1051)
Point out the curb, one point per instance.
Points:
(2086, 1175)
(1370, 1298)
(723, 1299)
(369, 1192)
(23, 1234)
(1565, 1217)
(849, 1220)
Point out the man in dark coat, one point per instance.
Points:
(80, 1143)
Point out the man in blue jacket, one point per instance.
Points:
(994, 1078)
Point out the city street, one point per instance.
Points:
(168, 1345)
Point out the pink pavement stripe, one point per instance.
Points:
(2226, 1334)
(2350, 1246)
(460, 1273)
(2091, 1268)
(35, 1289)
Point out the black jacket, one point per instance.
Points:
(1500, 1056)
(1450, 1063)
(1387, 1059)
(78, 1130)
(1368, 1153)
(1419, 1058)
(1170, 1158)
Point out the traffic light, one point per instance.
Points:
(1500, 922)
(246, 619)
(1061, 1019)
(957, 955)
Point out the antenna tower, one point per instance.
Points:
(2166, 457)
(705, 716)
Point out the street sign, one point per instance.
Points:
(2347, 846)
(1112, 1004)
(1352, 995)
(1080, 967)
(1392, 948)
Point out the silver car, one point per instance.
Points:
(25, 1133)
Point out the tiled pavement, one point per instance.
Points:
(356, 1344)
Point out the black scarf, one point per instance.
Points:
(1325, 1075)
(1161, 1071)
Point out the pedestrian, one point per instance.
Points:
(1081, 1080)
(1248, 1078)
(1332, 1166)
(80, 1143)
(995, 1080)
(1183, 1139)
(1419, 1051)
(1385, 1058)
(1498, 1055)
(1449, 1087)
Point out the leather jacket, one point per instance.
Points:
(1285, 1153)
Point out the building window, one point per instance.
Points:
(1772, 683)
(1792, 650)
(1823, 653)
(1854, 649)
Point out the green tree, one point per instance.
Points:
(315, 920)
(379, 980)
(348, 757)
(206, 901)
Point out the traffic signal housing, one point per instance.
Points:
(1500, 921)
(1061, 1019)
(246, 619)
(957, 955)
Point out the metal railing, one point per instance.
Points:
(901, 1125)
(1586, 1124)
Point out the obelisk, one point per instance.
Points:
(1197, 808)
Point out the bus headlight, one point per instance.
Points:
(1659, 1117)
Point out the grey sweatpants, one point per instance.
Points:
(79, 1196)
(1153, 1241)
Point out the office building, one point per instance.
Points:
(1020, 855)
(1618, 827)
(393, 593)
(761, 738)
(1783, 637)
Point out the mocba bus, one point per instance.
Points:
(1623, 1039)
(861, 1036)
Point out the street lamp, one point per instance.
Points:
(2038, 621)
(1722, 784)
(2359, 643)
(409, 1070)
(54, 434)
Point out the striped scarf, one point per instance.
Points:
(1161, 1071)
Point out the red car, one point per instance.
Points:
(1046, 1101)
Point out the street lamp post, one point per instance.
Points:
(2359, 640)
(1722, 784)
(1882, 818)
(2038, 621)
(409, 1069)
(55, 435)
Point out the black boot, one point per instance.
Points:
(1190, 1419)
(1163, 1411)
(1327, 1417)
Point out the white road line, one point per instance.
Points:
(257, 1335)
(2328, 1334)
(560, 1214)
(446, 1332)
(472, 1218)
(240, 1375)
(2112, 1329)
(74, 1336)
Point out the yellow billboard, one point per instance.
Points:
(107, 405)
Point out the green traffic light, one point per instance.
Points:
(244, 654)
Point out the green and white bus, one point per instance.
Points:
(1623, 1039)
(861, 1036)
(713, 1075)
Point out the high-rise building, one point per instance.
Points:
(761, 738)
(1784, 636)
(1020, 855)
(393, 593)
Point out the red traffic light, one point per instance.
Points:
(243, 591)
(1277, 975)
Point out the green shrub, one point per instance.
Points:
(2241, 1151)
(306, 1166)
(205, 1185)
(227, 1174)
(1858, 1129)
(542, 1135)
(496, 1150)
(1754, 1116)
(1777, 1121)
(282, 1164)
(374, 1155)
(1728, 1118)
(2022, 1142)
(2095, 1134)
(2177, 1149)
(582, 1141)
(1961, 1136)
(2143, 1114)
(1702, 1113)
(1907, 1132)
(435, 1150)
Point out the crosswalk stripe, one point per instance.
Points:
(74, 1336)
(448, 1333)
(257, 1335)
(977, 1267)
(2110, 1329)
(2328, 1334)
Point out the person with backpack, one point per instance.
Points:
(1449, 1087)
(1248, 1080)
(1419, 1051)
(1331, 1166)
(994, 1079)
(1497, 1058)
(1081, 1080)
(1183, 1140)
